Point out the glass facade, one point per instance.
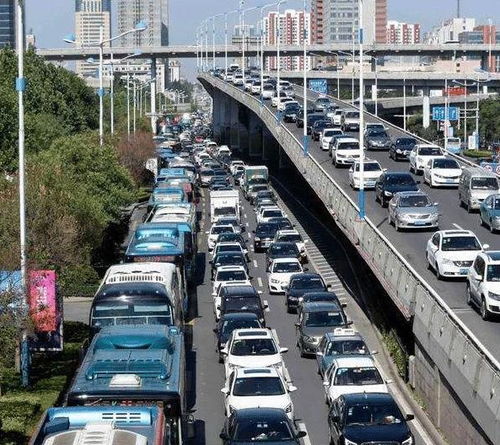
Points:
(7, 23)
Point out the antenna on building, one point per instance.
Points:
(458, 8)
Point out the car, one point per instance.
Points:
(374, 126)
(280, 271)
(269, 212)
(350, 375)
(277, 99)
(327, 135)
(321, 103)
(475, 185)
(228, 274)
(230, 221)
(252, 191)
(338, 117)
(489, 212)
(451, 252)
(265, 194)
(260, 425)
(282, 223)
(205, 176)
(290, 111)
(315, 320)
(237, 79)
(285, 101)
(228, 259)
(339, 342)
(215, 231)
(288, 89)
(299, 285)
(299, 120)
(235, 164)
(311, 119)
(250, 348)
(483, 284)
(221, 290)
(390, 183)
(292, 235)
(262, 203)
(421, 154)
(401, 148)
(368, 418)
(233, 238)
(350, 121)
(318, 127)
(241, 297)
(371, 172)
(227, 246)
(231, 321)
(263, 236)
(267, 92)
(257, 388)
(319, 296)
(255, 88)
(345, 151)
(413, 210)
(281, 250)
(442, 172)
(377, 139)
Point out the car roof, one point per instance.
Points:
(456, 233)
(286, 260)
(239, 316)
(230, 268)
(344, 334)
(252, 333)
(493, 255)
(306, 275)
(364, 397)
(256, 372)
(355, 361)
(320, 306)
(412, 193)
(347, 139)
(287, 232)
(239, 289)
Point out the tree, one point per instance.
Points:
(489, 121)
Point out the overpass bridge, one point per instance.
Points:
(455, 370)
(251, 50)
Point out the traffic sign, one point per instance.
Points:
(438, 113)
(318, 85)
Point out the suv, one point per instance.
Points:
(483, 283)
(390, 183)
(300, 284)
(401, 148)
(242, 298)
(421, 154)
(318, 128)
(264, 235)
(345, 151)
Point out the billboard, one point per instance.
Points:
(318, 85)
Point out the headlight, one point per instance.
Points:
(349, 442)
(257, 238)
(408, 441)
(274, 281)
(496, 218)
(386, 193)
(398, 151)
(494, 296)
(288, 408)
(446, 261)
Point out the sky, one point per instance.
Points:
(51, 20)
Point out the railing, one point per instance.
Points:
(467, 365)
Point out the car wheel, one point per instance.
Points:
(411, 168)
(335, 163)
(468, 207)
(481, 222)
(383, 202)
(468, 295)
(377, 199)
(485, 315)
(389, 217)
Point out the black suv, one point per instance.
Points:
(281, 249)
(264, 235)
(318, 127)
(392, 182)
(300, 284)
(242, 299)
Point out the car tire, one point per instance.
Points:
(468, 207)
(389, 218)
(438, 273)
(481, 222)
(485, 315)
(383, 202)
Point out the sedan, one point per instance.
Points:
(390, 183)
(401, 148)
(372, 171)
(489, 212)
(421, 155)
(318, 127)
(413, 210)
(281, 250)
(377, 139)
(442, 172)
(280, 272)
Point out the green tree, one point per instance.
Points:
(489, 121)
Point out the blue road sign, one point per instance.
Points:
(318, 85)
(438, 114)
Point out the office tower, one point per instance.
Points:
(153, 12)
(403, 33)
(90, 16)
(7, 23)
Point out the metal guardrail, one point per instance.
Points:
(467, 365)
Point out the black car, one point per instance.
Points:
(368, 418)
(392, 182)
(264, 194)
(282, 223)
(228, 259)
(242, 299)
(300, 284)
(281, 249)
(311, 119)
(299, 121)
(401, 148)
(229, 322)
(377, 139)
(231, 238)
(290, 112)
(260, 425)
(318, 127)
(264, 234)
(322, 103)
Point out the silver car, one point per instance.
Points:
(413, 210)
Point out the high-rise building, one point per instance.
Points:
(7, 23)
(153, 12)
(317, 21)
(290, 25)
(449, 30)
(403, 33)
(90, 16)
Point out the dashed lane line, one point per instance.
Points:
(259, 280)
(305, 439)
(255, 263)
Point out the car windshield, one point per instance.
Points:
(373, 414)
(358, 376)
(280, 249)
(254, 346)
(286, 267)
(258, 188)
(485, 183)
(272, 213)
(352, 115)
(429, 151)
(227, 275)
(446, 163)
(291, 108)
(414, 201)
(207, 173)
(258, 386)
(376, 132)
(239, 304)
(223, 211)
(291, 238)
(323, 319)
(493, 272)
(406, 142)
(262, 430)
(348, 146)
(229, 326)
(229, 248)
(112, 313)
(323, 100)
(370, 167)
(346, 347)
(229, 221)
(400, 180)
(451, 243)
(216, 230)
(230, 237)
(266, 229)
(307, 283)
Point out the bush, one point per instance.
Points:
(477, 153)
(19, 407)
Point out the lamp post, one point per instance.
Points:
(262, 8)
(278, 37)
(243, 59)
(361, 193)
(139, 27)
(305, 139)
(404, 103)
(225, 38)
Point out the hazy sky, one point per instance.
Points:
(53, 19)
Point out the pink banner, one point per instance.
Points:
(42, 300)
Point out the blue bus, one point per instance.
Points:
(135, 366)
(119, 424)
(166, 194)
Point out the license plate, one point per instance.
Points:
(464, 271)
(420, 223)
(450, 181)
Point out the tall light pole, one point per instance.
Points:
(361, 193)
(128, 100)
(262, 8)
(404, 103)
(243, 58)
(278, 37)
(305, 139)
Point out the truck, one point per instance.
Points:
(255, 174)
(224, 203)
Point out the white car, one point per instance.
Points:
(217, 295)
(451, 252)
(442, 172)
(292, 235)
(483, 284)
(267, 92)
(274, 100)
(255, 89)
(215, 231)
(234, 166)
(345, 151)
(251, 348)
(421, 154)
(284, 101)
(224, 150)
(338, 117)
(349, 375)
(238, 79)
(229, 274)
(326, 136)
(280, 272)
(372, 171)
(270, 212)
(257, 388)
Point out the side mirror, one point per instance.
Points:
(349, 323)
(292, 388)
(374, 352)
(225, 390)
(388, 381)
(319, 354)
(410, 417)
(486, 246)
(326, 383)
(224, 436)
(301, 434)
(207, 232)
(283, 350)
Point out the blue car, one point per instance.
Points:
(489, 212)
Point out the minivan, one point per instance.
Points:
(475, 185)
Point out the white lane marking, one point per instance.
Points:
(255, 263)
(259, 280)
(247, 224)
(245, 215)
(249, 235)
(305, 439)
(457, 226)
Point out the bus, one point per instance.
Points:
(166, 194)
(135, 366)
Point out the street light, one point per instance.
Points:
(278, 35)
(305, 139)
(361, 192)
(243, 11)
(139, 27)
(225, 39)
(268, 5)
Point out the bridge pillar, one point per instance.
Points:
(255, 137)
(269, 144)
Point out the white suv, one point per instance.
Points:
(250, 348)
(257, 388)
(270, 212)
(229, 274)
(483, 283)
(451, 252)
(421, 154)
